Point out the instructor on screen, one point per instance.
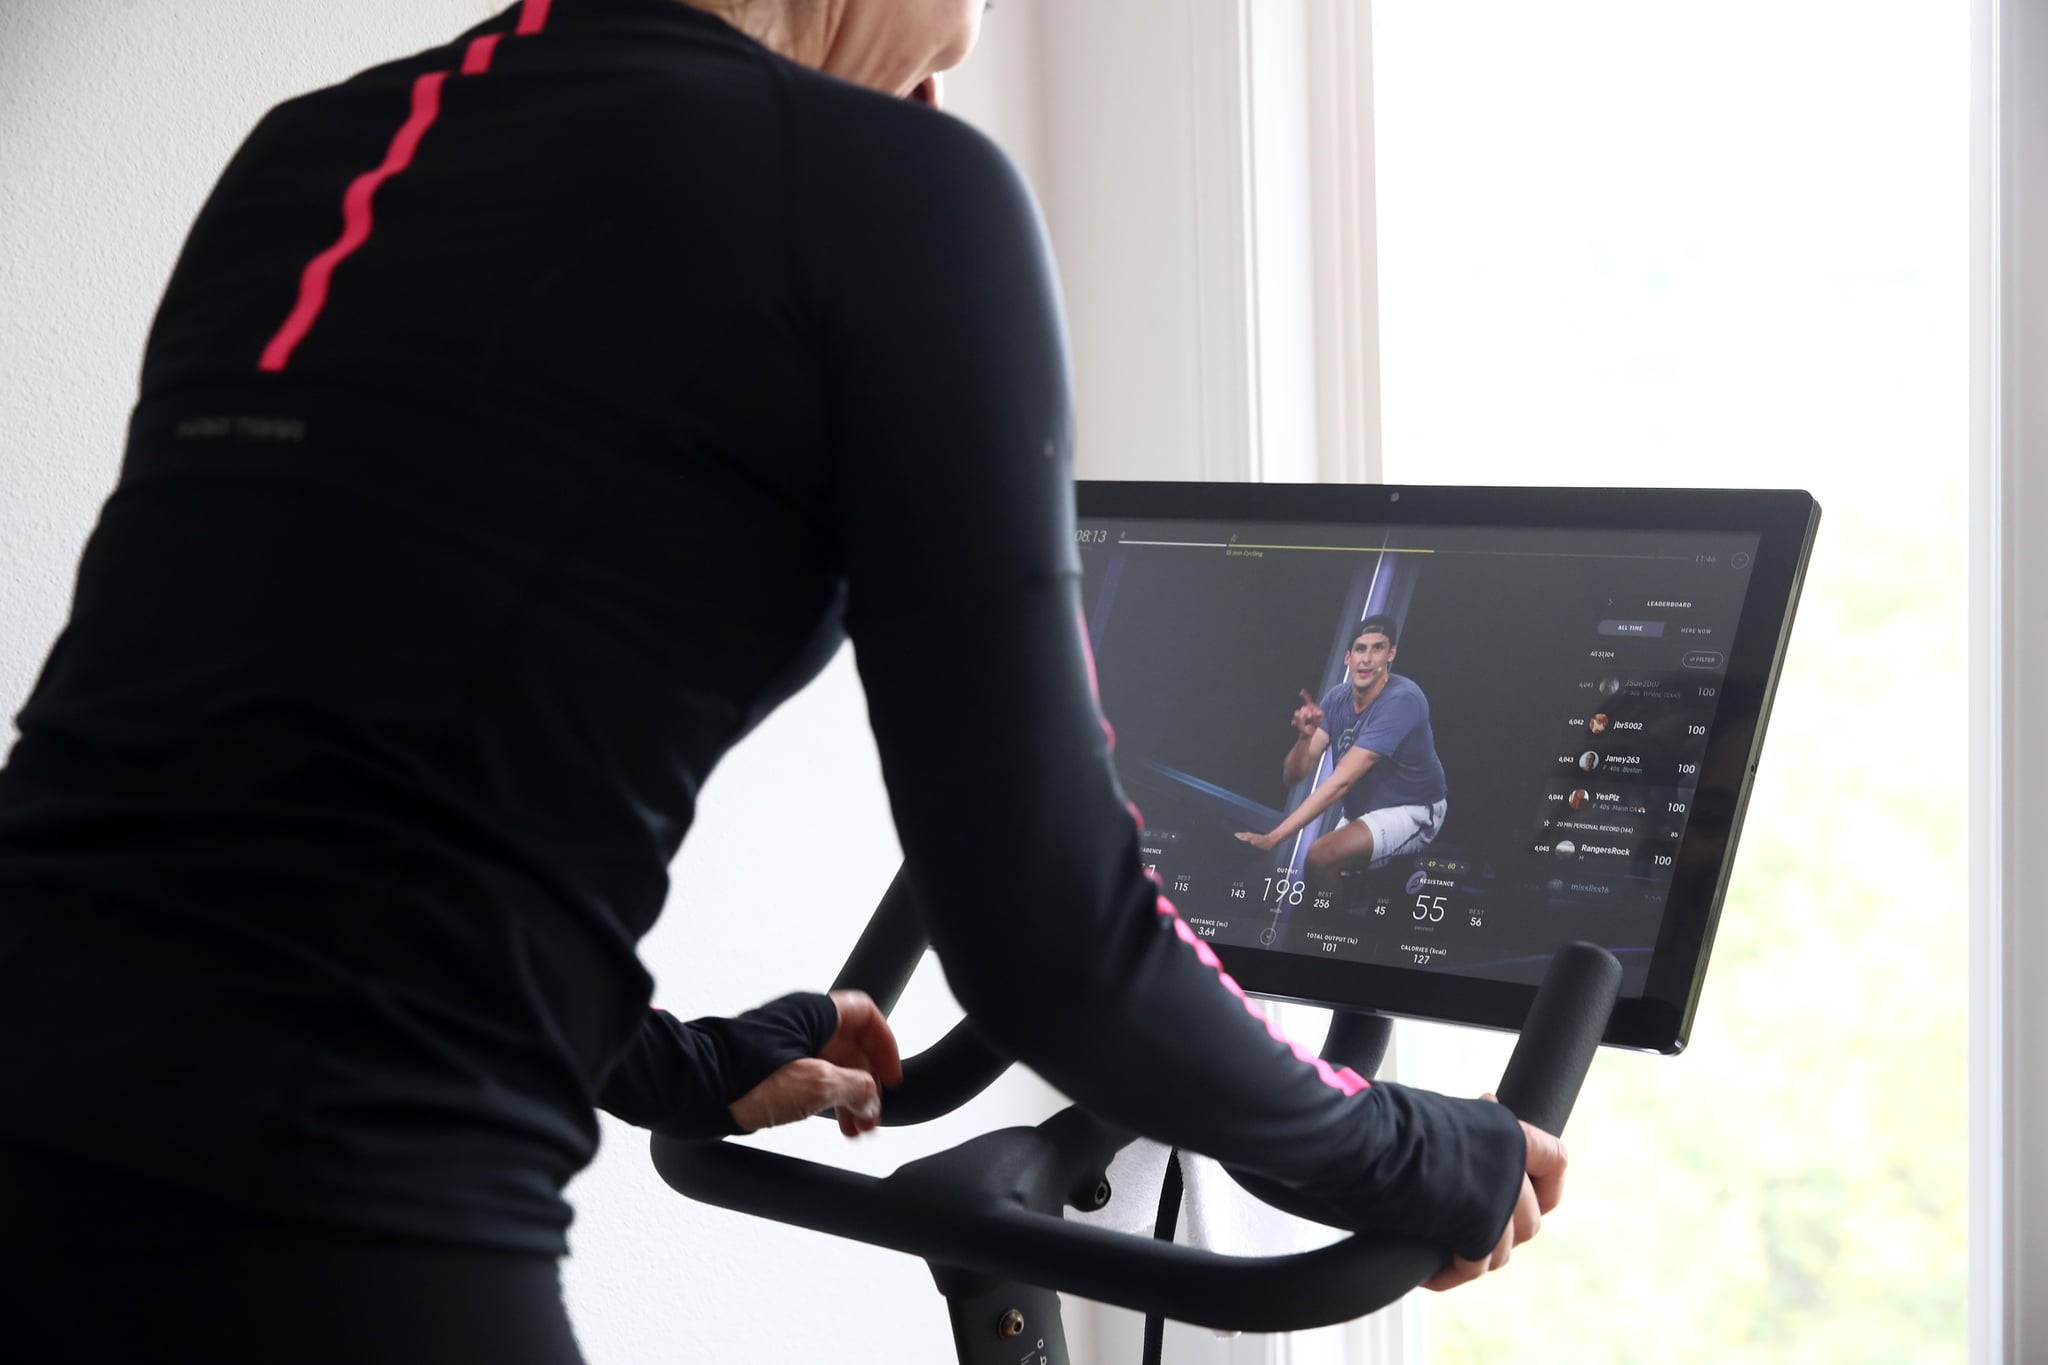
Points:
(1385, 769)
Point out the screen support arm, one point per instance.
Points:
(1358, 1040)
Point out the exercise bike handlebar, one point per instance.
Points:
(992, 1205)
(951, 1071)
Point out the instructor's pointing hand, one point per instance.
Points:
(1308, 717)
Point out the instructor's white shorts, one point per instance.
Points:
(1399, 830)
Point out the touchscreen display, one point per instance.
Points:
(1444, 749)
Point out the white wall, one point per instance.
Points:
(115, 119)
(1118, 187)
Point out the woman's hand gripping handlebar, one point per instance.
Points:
(953, 1070)
(845, 1079)
(1542, 1187)
(859, 1080)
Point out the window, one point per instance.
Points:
(1632, 244)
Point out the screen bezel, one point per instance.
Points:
(1784, 522)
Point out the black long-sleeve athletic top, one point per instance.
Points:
(523, 422)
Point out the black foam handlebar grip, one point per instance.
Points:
(890, 947)
(1564, 1027)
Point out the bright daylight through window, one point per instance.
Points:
(1726, 246)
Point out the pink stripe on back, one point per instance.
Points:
(1338, 1078)
(533, 18)
(477, 61)
(357, 223)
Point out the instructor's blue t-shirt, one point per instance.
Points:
(1394, 725)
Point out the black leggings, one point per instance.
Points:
(100, 1267)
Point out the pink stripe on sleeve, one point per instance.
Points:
(533, 18)
(1338, 1078)
(1341, 1078)
(357, 223)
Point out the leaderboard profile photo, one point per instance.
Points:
(1589, 761)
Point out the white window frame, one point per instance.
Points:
(1287, 268)
(2009, 664)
